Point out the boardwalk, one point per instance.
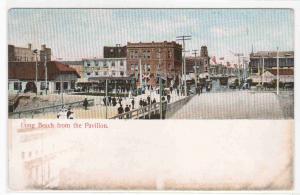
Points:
(238, 105)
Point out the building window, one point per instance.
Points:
(132, 67)
(169, 54)
(43, 85)
(136, 54)
(88, 64)
(121, 63)
(113, 64)
(121, 73)
(131, 54)
(111, 50)
(105, 64)
(88, 73)
(113, 73)
(65, 85)
(96, 73)
(17, 86)
(57, 86)
(105, 73)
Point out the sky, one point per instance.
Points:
(81, 33)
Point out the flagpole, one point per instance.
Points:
(277, 70)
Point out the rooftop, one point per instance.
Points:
(26, 70)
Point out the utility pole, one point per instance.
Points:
(195, 65)
(184, 38)
(277, 60)
(140, 65)
(36, 71)
(263, 70)
(106, 98)
(160, 85)
(46, 74)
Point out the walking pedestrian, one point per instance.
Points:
(141, 102)
(85, 103)
(148, 99)
(127, 109)
(104, 101)
(120, 111)
(132, 103)
(114, 101)
(169, 98)
(109, 100)
(153, 101)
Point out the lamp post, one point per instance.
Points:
(160, 85)
(36, 71)
(195, 65)
(277, 62)
(46, 74)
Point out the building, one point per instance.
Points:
(148, 60)
(22, 77)
(45, 53)
(25, 54)
(78, 66)
(205, 59)
(104, 67)
(115, 52)
(286, 60)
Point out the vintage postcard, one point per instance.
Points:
(150, 99)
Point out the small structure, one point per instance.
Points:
(22, 77)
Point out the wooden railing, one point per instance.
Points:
(44, 110)
(153, 111)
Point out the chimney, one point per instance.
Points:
(29, 46)
(43, 47)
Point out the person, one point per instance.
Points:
(109, 100)
(70, 113)
(127, 109)
(85, 103)
(114, 101)
(148, 99)
(62, 114)
(132, 103)
(153, 101)
(201, 88)
(164, 107)
(141, 102)
(120, 111)
(169, 98)
(177, 91)
(120, 100)
(144, 103)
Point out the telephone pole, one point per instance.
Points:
(184, 38)
(195, 65)
(46, 74)
(36, 70)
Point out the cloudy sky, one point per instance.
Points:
(82, 33)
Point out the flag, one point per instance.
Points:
(214, 60)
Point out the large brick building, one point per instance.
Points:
(202, 62)
(115, 52)
(286, 60)
(25, 54)
(152, 59)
